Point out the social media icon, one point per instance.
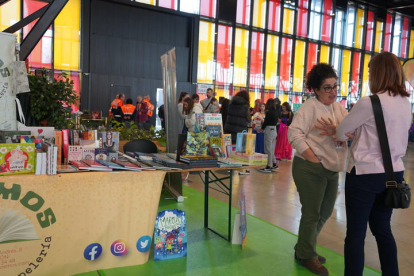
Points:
(144, 243)
(92, 251)
(119, 248)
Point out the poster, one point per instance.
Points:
(78, 222)
(170, 235)
(202, 88)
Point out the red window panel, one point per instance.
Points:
(355, 73)
(302, 18)
(170, 4)
(41, 56)
(285, 64)
(404, 37)
(256, 60)
(224, 46)
(296, 99)
(73, 76)
(327, 21)
(243, 12)
(388, 35)
(208, 8)
(370, 31)
(268, 94)
(312, 56)
(274, 15)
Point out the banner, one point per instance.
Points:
(72, 223)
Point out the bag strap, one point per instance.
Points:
(20, 111)
(383, 137)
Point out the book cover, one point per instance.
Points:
(216, 151)
(39, 161)
(250, 143)
(79, 165)
(65, 135)
(66, 169)
(213, 119)
(11, 136)
(225, 141)
(76, 137)
(170, 235)
(17, 158)
(93, 163)
(101, 154)
(215, 141)
(37, 140)
(197, 143)
(15, 227)
(110, 140)
(213, 130)
(181, 146)
(112, 156)
(89, 144)
(199, 125)
(126, 164)
(75, 153)
(59, 144)
(88, 154)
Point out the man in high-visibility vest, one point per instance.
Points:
(128, 111)
(116, 106)
(150, 106)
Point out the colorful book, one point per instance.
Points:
(88, 154)
(59, 144)
(213, 130)
(101, 154)
(17, 158)
(37, 140)
(197, 143)
(65, 135)
(225, 141)
(75, 153)
(66, 169)
(116, 166)
(199, 125)
(95, 166)
(215, 141)
(79, 165)
(110, 140)
(127, 164)
(11, 136)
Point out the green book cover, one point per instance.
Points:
(197, 143)
(17, 158)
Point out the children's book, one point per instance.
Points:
(215, 141)
(110, 140)
(75, 153)
(37, 140)
(101, 154)
(15, 227)
(88, 154)
(197, 143)
(66, 169)
(225, 141)
(17, 158)
(199, 125)
(213, 130)
(170, 235)
(59, 144)
(11, 136)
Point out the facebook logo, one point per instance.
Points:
(92, 251)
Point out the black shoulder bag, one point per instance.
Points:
(397, 195)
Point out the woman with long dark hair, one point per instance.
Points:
(181, 114)
(283, 149)
(238, 115)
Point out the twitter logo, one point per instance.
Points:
(144, 243)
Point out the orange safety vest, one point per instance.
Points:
(150, 108)
(128, 111)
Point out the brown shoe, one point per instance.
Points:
(321, 259)
(315, 266)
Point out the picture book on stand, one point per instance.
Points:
(170, 235)
(17, 158)
(197, 143)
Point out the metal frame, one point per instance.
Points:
(222, 188)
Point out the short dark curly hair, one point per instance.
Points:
(318, 74)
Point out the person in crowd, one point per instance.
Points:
(317, 161)
(116, 107)
(257, 121)
(128, 112)
(278, 111)
(224, 109)
(270, 134)
(188, 109)
(198, 108)
(141, 117)
(181, 114)
(256, 108)
(238, 115)
(213, 106)
(411, 132)
(206, 103)
(365, 179)
(150, 107)
(162, 116)
(283, 149)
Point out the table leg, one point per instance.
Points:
(230, 196)
(206, 191)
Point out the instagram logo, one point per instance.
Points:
(119, 248)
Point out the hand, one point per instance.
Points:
(351, 136)
(328, 127)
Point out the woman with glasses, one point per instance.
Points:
(318, 159)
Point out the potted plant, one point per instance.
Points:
(51, 101)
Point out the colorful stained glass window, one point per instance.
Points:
(327, 20)
(243, 12)
(67, 37)
(149, 2)
(9, 15)
(274, 15)
(346, 67)
(312, 56)
(369, 31)
(365, 87)
(299, 66)
(302, 18)
(350, 27)
(404, 37)
(224, 47)
(411, 51)
(272, 52)
(241, 48)
(268, 94)
(208, 8)
(378, 36)
(285, 65)
(324, 54)
(336, 61)
(256, 60)
(396, 35)
(355, 73)
(359, 31)
(206, 53)
(170, 4)
(388, 27)
(315, 18)
(259, 14)
(190, 6)
(288, 20)
(254, 94)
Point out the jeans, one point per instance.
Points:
(270, 135)
(364, 204)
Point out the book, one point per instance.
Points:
(197, 143)
(15, 227)
(11, 136)
(112, 156)
(79, 165)
(213, 130)
(115, 166)
(250, 143)
(75, 153)
(88, 154)
(101, 154)
(213, 119)
(127, 164)
(75, 137)
(65, 135)
(66, 169)
(215, 141)
(92, 166)
(59, 144)
(93, 163)
(40, 162)
(37, 140)
(110, 140)
(225, 141)
(216, 151)
(144, 156)
(51, 155)
(17, 158)
(197, 157)
(199, 125)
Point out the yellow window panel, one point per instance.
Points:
(346, 68)
(359, 28)
(299, 66)
(67, 40)
(206, 53)
(149, 2)
(259, 13)
(240, 57)
(288, 17)
(9, 15)
(411, 53)
(365, 86)
(378, 37)
(324, 57)
(272, 52)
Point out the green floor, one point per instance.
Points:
(268, 251)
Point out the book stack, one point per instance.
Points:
(199, 161)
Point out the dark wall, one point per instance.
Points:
(125, 46)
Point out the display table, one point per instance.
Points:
(70, 212)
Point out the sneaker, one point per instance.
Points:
(315, 266)
(321, 259)
(246, 172)
(266, 170)
(274, 167)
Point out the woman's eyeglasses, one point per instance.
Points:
(328, 89)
